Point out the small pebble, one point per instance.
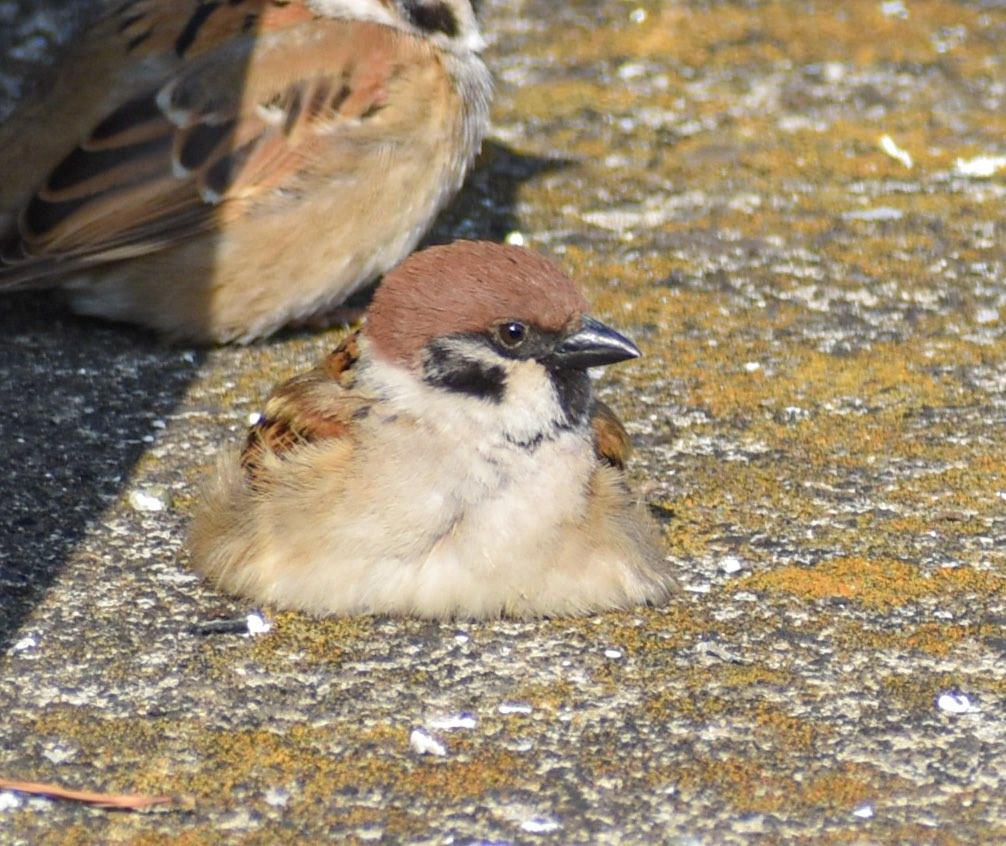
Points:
(277, 797)
(980, 167)
(257, 624)
(540, 825)
(954, 703)
(9, 800)
(515, 708)
(891, 148)
(894, 9)
(454, 721)
(152, 499)
(422, 743)
(879, 213)
(731, 564)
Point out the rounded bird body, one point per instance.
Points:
(449, 460)
(217, 171)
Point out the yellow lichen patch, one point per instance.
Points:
(131, 740)
(968, 580)
(469, 776)
(726, 35)
(784, 731)
(937, 639)
(299, 755)
(882, 369)
(751, 675)
(879, 584)
(918, 693)
(549, 697)
(646, 631)
(915, 528)
(776, 783)
(746, 784)
(699, 708)
(655, 304)
(904, 833)
(957, 490)
(689, 532)
(721, 690)
(566, 97)
(724, 386)
(841, 789)
(852, 150)
(874, 583)
(189, 838)
(317, 641)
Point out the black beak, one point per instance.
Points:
(592, 345)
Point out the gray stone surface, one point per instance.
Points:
(819, 421)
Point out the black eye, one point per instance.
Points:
(511, 333)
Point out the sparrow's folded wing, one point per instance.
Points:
(234, 127)
(315, 406)
(611, 442)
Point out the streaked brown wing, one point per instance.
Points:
(231, 126)
(317, 405)
(190, 28)
(611, 442)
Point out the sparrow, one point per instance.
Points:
(448, 460)
(215, 171)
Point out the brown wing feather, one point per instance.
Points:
(175, 161)
(611, 442)
(317, 405)
(154, 27)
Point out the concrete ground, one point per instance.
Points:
(796, 209)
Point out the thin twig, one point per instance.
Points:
(122, 802)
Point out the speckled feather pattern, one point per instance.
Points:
(365, 489)
(244, 165)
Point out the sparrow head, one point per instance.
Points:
(499, 325)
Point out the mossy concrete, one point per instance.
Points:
(819, 422)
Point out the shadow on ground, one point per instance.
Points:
(85, 399)
(80, 398)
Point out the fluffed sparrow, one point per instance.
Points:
(448, 460)
(218, 170)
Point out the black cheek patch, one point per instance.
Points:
(448, 368)
(433, 17)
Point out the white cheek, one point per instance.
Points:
(531, 403)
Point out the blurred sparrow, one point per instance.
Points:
(217, 170)
(448, 460)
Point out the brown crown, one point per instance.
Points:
(467, 286)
